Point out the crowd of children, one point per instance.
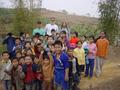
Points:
(52, 59)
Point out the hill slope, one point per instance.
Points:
(72, 19)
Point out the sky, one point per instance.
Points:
(79, 7)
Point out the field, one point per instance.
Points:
(110, 79)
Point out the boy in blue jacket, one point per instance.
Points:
(61, 67)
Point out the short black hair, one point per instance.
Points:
(64, 32)
(10, 34)
(22, 57)
(17, 38)
(92, 37)
(27, 42)
(58, 42)
(5, 52)
(76, 33)
(39, 22)
(19, 52)
(45, 55)
(22, 33)
(80, 42)
(14, 58)
(52, 30)
(37, 34)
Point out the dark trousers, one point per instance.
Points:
(38, 85)
(90, 68)
(81, 69)
(7, 85)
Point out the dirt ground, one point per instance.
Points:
(110, 78)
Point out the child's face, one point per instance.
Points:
(79, 45)
(27, 45)
(39, 47)
(18, 55)
(15, 62)
(73, 35)
(28, 60)
(27, 35)
(70, 52)
(5, 56)
(58, 49)
(50, 40)
(53, 33)
(63, 35)
(29, 52)
(91, 40)
(22, 61)
(17, 41)
(46, 62)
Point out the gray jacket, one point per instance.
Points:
(4, 68)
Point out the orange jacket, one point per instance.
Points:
(102, 47)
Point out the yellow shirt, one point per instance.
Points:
(79, 53)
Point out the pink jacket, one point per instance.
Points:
(92, 51)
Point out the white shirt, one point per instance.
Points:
(85, 45)
(49, 27)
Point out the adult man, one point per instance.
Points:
(39, 29)
(51, 26)
(102, 51)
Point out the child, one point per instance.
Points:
(27, 38)
(65, 40)
(27, 47)
(73, 70)
(79, 53)
(5, 66)
(53, 32)
(92, 49)
(10, 42)
(18, 54)
(17, 75)
(61, 66)
(74, 40)
(47, 68)
(21, 61)
(18, 46)
(29, 69)
(38, 48)
(49, 45)
(38, 74)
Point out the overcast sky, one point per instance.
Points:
(80, 7)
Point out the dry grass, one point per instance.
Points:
(109, 79)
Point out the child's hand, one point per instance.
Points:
(20, 68)
(42, 51)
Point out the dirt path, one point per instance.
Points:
(110, 79)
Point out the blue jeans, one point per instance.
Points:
(7, 84)
(90, 68)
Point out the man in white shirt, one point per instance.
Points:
(51, 26)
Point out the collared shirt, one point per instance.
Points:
(41, 31)
(49, 27)
(79, 53)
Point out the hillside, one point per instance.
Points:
(72, 19)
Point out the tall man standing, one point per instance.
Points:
(51, 26)
(102, 51)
